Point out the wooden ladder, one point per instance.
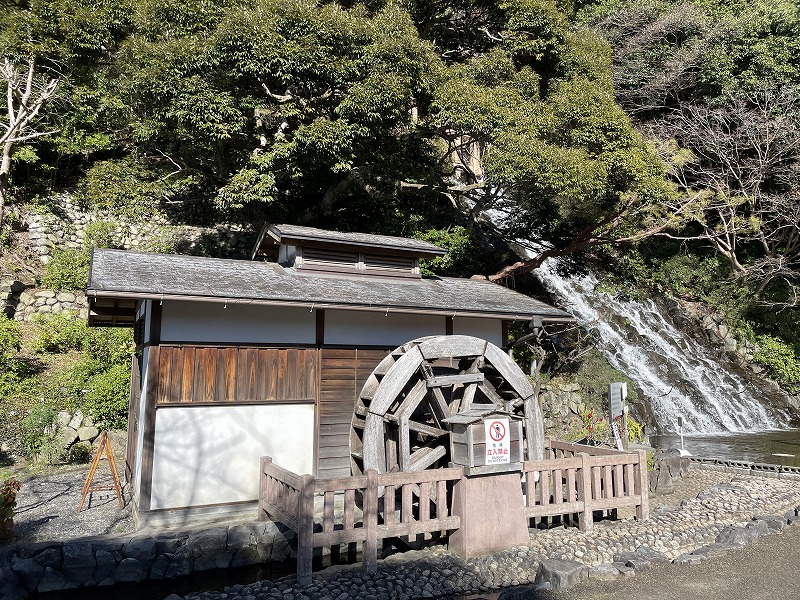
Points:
(104, 444)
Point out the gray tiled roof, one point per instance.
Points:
(298, 232)
(118, 273)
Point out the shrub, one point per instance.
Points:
(8, 502)
(9, 342)
(101, 234)
(41, 434)
(109, 346)
(781, 361)
(58, 332)
(107, 397)
(80, 453)
(68, 269)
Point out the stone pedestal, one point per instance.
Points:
(492, 511)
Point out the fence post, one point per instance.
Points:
(262, 488)
(642, 487)
(371, 522)
(586, 517)
(305, 537)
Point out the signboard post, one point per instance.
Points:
(618, 409)
(498, 441)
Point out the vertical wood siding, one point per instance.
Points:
(343, 373)
(236, 374)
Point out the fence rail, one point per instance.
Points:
(572, 479)
(392, 505)
(579, 479)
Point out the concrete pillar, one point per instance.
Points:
(492, 511)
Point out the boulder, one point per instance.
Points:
(181, 563)
(53, 581)
(140, 549)
(561, 574)
(28, 571)
(208, 541)
(604, 572)
(87, 434)
(773, 522)
(737, 536)
(130, 570)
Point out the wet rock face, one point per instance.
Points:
(711, 330)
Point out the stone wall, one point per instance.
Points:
(65, 223)
(34, 568)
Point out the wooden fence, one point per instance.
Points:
(578, 479)
(572, 479)
(410, 504)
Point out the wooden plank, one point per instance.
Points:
(558, 486)
(176, 375)
(187, 373)
(388, 504)
(629, 481)
(462, 379)
(608, 491)
(291, 374)
(342, 536)
(453, 345)
(619, 491)
(552, 510)
(305, 531)
(417, 527)
(586, 517)
(425, 457)
(571, 485)
(395, 380)
(447, 474)
(370, 548)
(327, 512)
(643, 509)
(164, 376)
(349, 508)
(597, 492)
(509, 370)
(544, 486)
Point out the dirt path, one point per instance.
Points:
(767, 568)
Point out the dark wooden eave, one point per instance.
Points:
(297, 235)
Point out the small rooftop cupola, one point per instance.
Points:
(307, 249)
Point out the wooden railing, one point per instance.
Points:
(578, 479)
(392, 505)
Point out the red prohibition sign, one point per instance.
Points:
(497, 431)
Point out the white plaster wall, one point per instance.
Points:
(378, 329)
(143, 424)
(210, 322)
(490, 330)
(210, 455)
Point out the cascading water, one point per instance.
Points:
(679, 376)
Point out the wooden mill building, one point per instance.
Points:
(235, 359)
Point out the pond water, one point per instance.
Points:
(780, 447)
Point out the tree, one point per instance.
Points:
(745, 167)
(26, 92)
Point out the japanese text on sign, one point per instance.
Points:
(498, 442)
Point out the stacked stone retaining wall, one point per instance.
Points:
(31, 568)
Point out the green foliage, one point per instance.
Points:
(463, 256)
(101, 234)
(594, 374)
(109, 346)
(9, 343)
(127, 187)
(58, 332)
(68, 269)
(107, 397)
(41, 434)
(781, 360)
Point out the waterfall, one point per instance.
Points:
(679, 376)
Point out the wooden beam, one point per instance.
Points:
(462, 379)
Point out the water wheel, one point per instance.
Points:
(399, 419)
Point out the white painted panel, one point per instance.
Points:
(210, 455)
(490, 330)
(360, 328)
(210, 322)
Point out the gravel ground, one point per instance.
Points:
(47, 505)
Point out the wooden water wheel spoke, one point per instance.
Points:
(399, 422)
